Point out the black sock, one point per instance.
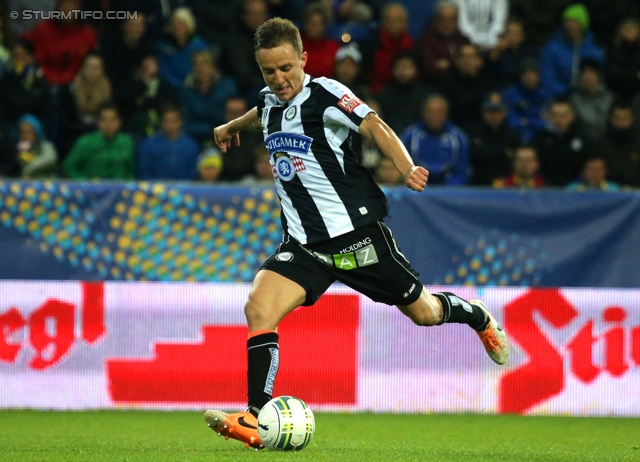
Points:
(458, 310)
(263, 356)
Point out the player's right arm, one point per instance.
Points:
(230, 132)
(374, 128)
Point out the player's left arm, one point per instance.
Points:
(374, 128)
(225, 134)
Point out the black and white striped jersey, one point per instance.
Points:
(324, 191)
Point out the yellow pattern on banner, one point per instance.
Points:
(145, 231)
(510, 261)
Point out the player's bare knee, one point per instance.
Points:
(256, 313)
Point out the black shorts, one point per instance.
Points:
(367, 259)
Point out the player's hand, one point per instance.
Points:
(417, 178)
(224, 137)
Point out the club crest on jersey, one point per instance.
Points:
(288, 142)
(349, 103)
(290, 113)
(286, 169)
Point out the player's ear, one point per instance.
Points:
(303, 59)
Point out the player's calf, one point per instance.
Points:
(476, 314)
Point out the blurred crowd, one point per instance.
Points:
(496, 93)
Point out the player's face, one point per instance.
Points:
(282, 70)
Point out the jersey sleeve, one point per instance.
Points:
(341, 105)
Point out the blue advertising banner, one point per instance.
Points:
(532, 238)
(191, 232)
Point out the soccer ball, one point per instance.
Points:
(286, 424)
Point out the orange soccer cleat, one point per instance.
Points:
(241, 426)
(493, 337)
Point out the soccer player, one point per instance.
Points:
(330, 203)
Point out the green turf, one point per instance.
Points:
(183, 436)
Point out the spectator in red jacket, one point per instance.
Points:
(392, 37)
(61, 44)
(321, 50)
(526, 170)
(439, 42)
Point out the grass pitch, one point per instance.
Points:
(183, 436)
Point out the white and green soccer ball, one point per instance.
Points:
(286, 424)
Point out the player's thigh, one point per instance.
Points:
(287, 279)
(272, 296)
(297, 264)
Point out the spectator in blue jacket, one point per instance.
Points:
(204, 95)
(594, 176)
(526, 101)
(436, 144)
(175, 50)
(562, 55)
(170, 154)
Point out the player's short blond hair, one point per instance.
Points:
(275, 32)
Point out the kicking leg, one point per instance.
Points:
(446, 307)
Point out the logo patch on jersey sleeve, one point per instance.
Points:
(265, 117)
(349, 103)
